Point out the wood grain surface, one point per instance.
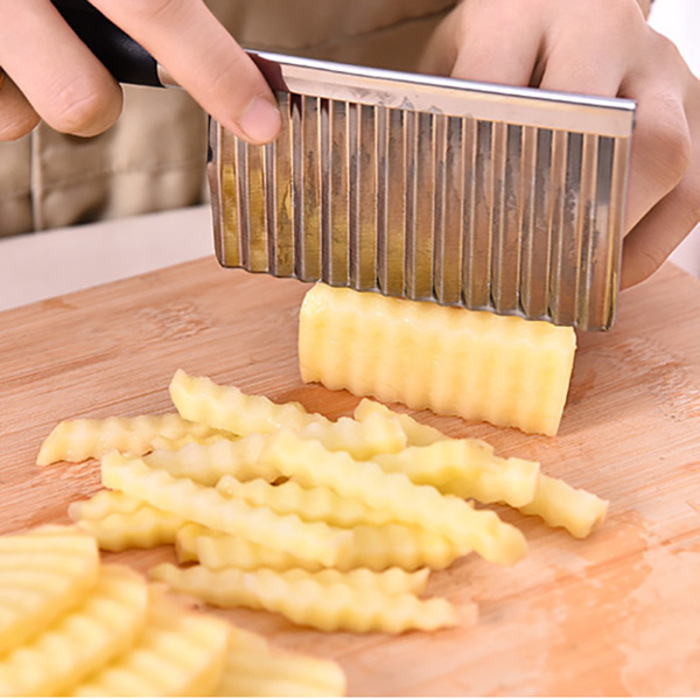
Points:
(616, 614)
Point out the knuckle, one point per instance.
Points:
(624, 14)
(648, 260)
(82, 107)
(678, 148)
(667, 140)
(690, 192)
(665, 51)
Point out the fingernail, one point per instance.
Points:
(260, 120)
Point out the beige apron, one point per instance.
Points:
(154, 157)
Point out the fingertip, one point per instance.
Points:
(259, 122)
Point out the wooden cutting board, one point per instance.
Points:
(616, 614)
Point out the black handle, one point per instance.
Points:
(124, 58)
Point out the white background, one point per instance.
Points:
(679, 20)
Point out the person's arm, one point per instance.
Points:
(601, 47)
(50, 74)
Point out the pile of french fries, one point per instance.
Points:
(333, 524)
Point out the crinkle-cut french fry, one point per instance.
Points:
(417, 434)
(254, 668)
(561, 505)
(120, 522)
(468, 469)
(204, 505)
(374, 547)
(308, 462)
(309, 503)
(474, 364)
(308, 602)
(219, 550)
(179, 653)
(83, 640)
(186, 539)
(390, 580)
(144, 528)
(323, 503)
(393, 544)
(228, 408)
(85, 438)
(163, 443)
(103, 503)
(206, 464)
(41, 577)
(376, 434)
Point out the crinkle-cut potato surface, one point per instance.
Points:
(561, 505)
(126, 637)
(254, 668)
(227, 407)
(179, 653)
(145, 528)
(206, 464)
(310, 503)
(206, 506)
(310, 602)
(102, 504)
(104, 625)
(466, 468)
(374, 547)
(84, 438)
(417, 434)
(475, 364)
(310, 463)
(42, 577)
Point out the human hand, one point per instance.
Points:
(51, 75)
(606, 48)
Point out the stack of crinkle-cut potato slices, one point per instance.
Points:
(335, 525)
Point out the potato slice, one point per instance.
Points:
(82, 640)
(42, 575)
(254, 668)
(179, 653)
